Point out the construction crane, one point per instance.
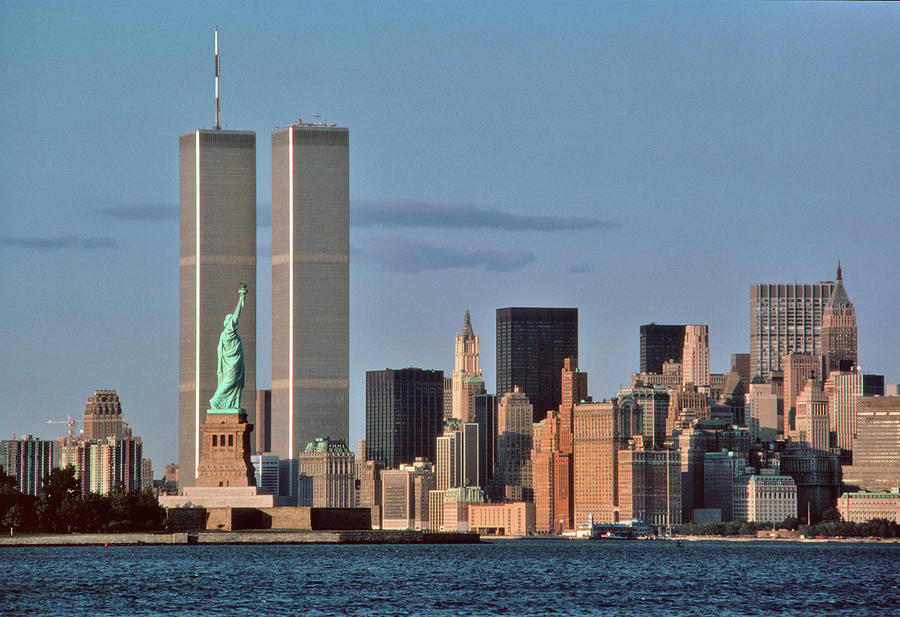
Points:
(69, 422)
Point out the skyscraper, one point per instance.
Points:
(310, 289)
(839, 330)
(218, 252)
(785, 318)
(404, 415)
(467, 381)
(531, 346)
(659, 344)
(695, 357)
(103, 415)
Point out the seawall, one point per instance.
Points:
(241, 537)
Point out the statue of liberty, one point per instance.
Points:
(230, 371)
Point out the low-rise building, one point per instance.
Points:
(862, 507)
(507, 519)
(764, 498)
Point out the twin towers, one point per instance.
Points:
(310, 282)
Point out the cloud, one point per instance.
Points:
(141, 212)
(61, 242)
(580, 268)
(405, 255)
(370, 212)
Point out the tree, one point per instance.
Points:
(15, 516)
(60, 502)
(831, 514)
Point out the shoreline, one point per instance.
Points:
(240, 537)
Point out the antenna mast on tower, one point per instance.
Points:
(217, 79)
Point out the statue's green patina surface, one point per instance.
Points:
(230, 371)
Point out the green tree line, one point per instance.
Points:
(61, 508)
(831, 526)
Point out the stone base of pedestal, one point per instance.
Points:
(225, 451)
(217, 497)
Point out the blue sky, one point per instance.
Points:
(640, 161)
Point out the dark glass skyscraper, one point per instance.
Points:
(404, 414)
(660, 344)
(531, 346)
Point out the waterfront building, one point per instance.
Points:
(862, 507)
(546, 474)
(719, 472)
(310, 289)
(404, 414)
(327, 479)
(217, 171)
(532, 344)
(265, 471)
(764, 498)
(695, 357)
(28, 459)
(466, 379)
(502, 519)
(660, 344)
(839, 345)
(600, 431)
(785, 318)
(876, 447)
(512, 475)
(456, 502)
(649, 486)
(405, 495)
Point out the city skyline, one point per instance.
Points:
(485, 140)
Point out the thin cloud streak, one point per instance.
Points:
(401, 213)
(411, 256)
(141, 212)
(61, 242)
(581, 268)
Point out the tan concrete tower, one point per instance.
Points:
(218, 252)
(310, 290)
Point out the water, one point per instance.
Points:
(517, 577)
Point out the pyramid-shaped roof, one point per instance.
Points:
(839, 298)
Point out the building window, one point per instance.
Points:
(214, 441)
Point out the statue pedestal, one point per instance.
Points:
(225, 450)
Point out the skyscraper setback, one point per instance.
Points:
(310, 289)
(218, 252)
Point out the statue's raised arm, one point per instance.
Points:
(242, 291)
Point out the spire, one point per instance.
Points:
(467, 325)
(217, 77)
(839, 298)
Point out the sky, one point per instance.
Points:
(643, 162)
